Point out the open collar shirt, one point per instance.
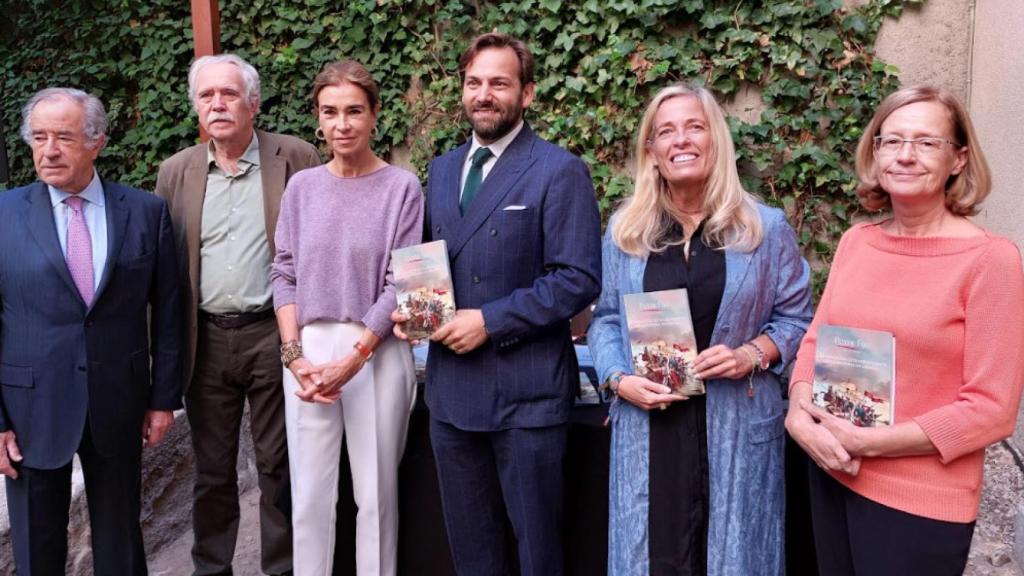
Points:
(235, 256)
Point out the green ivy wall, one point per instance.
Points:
(809, 64)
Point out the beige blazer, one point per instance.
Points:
(182, 182)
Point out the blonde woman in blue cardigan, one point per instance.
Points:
(697, 484)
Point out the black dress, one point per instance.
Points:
(678, 517)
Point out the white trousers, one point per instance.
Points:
(374, 411)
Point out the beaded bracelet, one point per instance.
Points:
(753, 368)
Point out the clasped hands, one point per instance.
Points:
(322, 383)
(462, 334)
(718, 361)
(832, 442)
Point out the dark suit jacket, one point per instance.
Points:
(528, 254)
(60, 361)
(182, 182)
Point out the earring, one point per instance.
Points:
(319, 134)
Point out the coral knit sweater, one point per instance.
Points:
(956, 308)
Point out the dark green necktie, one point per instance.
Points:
(473, 178)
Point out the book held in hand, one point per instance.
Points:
(855, 374)
(423, 286)
(661, 339)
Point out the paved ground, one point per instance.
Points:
(175, 559)
(990, 553)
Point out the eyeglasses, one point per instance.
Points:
(925, 145)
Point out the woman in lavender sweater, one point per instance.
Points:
(334, 293)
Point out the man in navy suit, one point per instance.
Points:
(523, 233)
(90, 340)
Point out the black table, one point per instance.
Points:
(423, 541)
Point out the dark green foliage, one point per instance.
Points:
(598, 62)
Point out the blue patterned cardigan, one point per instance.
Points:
(766, 291)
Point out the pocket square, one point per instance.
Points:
(514, 207)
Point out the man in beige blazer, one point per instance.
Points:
(224, 198)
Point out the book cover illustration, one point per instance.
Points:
(854, 374)
(661, 339)
(423, 286)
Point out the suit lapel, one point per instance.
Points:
(194, 194)
(506, 172)
(44, 232)
(117, 222)
(449, 176)
(737, 264)
(273, 173)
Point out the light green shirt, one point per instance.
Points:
(234, 254)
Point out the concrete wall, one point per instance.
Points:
(931, 44)
(997, 108)
(972, 48)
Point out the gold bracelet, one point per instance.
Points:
(290, 352)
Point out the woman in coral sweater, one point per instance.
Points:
(902, 499)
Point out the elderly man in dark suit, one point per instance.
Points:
(90, 340)
(523, 233)
(224, 198)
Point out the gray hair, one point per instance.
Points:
(96, 122)
(250, 77)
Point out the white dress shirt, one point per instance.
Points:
(497, 148)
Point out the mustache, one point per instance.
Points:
(218, 116)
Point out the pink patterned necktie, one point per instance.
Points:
(79, 252)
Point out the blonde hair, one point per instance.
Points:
(964, 191)
(643, 222)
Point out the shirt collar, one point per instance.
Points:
(251, 156)
(499, 146)
(93, 192)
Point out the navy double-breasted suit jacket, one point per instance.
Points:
(61, 361)
(527, 254)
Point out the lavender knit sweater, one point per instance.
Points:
(334, 240)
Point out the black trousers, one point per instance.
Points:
(232, 366)
(39, 501)
(678, 489)
(855, 536)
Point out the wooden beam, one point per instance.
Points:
(206, 27)
(205, 34)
